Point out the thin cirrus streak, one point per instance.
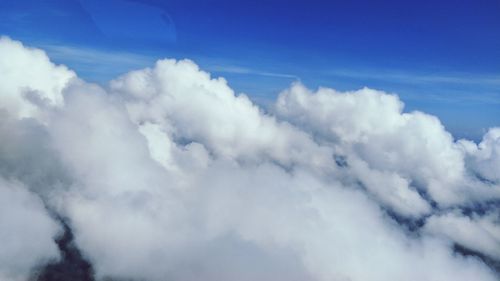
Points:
(166, 174)
(457, 78)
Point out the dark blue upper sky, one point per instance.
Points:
(442, 57)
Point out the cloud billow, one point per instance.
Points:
(167, 174)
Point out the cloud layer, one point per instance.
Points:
(167, 174)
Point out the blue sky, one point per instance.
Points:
(441, 57)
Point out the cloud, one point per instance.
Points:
(458, 78)
(244, 70)
(466, 231)
(484, 158)
(29, 78)
(409, 151)
(97, 64)
(27, 232)
(167, 174)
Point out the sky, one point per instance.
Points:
(440, 57)
(220, 141)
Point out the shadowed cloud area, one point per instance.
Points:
(71, 266)
(165, 173)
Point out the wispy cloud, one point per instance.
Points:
(98, 64)
(244, 70)
(89, 60)
(418, 78)
(441, 87)
(88, 55)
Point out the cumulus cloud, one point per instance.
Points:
(479, 233)
(29, 79)
(167, 174)
(190, 106)
(484, 158)
(413, 149)
(27, 232)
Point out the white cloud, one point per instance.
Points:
(479, 233)
(29, 78)
(370, 126)
(484, 158)
(167, 174)
(27, 232)
(191, 106)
